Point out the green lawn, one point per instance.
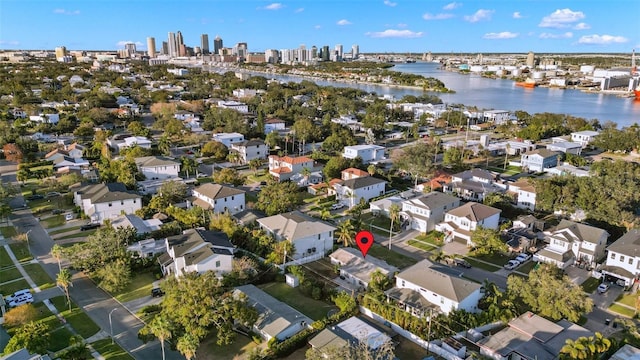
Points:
(81, 322)
(628, 299)
(497, 259)
(59, 339)
(432, 237)
(5, 260)
(241, 345)
(379, 221)
(53, 221)
(21, 251)
(590, 285)
(622, 310)
(392, 258)
(60, 303)
(10, 274)
(110, 351)
(11, 287)
(39, 276)
(314, 309)
(78, 235)
(8, 232)
(482, 265)
(40, 206)
(60, 231)
(421, 245)
(526, 268)
(140, 286)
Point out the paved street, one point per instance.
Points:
(97, 303)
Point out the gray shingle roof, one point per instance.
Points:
(628, 244)
(361, 182)
(474, 211)
(217, 191)
(101, 193)
(584, 232)
(294, 225)
(450, 287)
(434, 200)
(151, 161)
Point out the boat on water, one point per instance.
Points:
(529, 83)
(637, 92)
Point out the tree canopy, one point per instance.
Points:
(278, 197)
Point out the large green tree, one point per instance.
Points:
(228, 176)
(278, 197)
(33, 336)
(487, 241)
(415, 160)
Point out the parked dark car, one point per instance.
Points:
(461, 262)
(57, 211)
(157, 292)
(35, 197)
(263, 183)
(86, 227)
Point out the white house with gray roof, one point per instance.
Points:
(309, 235)
(421, 288)
(623, 258)
(197, 250)
(157, 167)
(368, 153)
(250, 150)
(572, 242)
(275, 318)
(472, 185)
(351, 192)
(219, 198)
(423, 213)
(357, 270)
(460, 222)
(584, 137)
(101, 202)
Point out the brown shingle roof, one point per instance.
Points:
(217, 191)
(474, 211)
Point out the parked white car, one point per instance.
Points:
(512, 264)
(523, 257)
(337, 206)
(21, 300)
(18, 294)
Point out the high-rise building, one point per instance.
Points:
(531, 59)
(338, 53)
(151, 47)
(204, 44)
(173, 45)
(241, 50)
(182, 49)
(130, 48)
(302, 53)
(61, 52)
(165, 48)
(355, 51)
(271, 56)
(217, 44)
(314, 52)
(325, 53)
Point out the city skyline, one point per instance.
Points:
(376, 26)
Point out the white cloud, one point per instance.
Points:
(479, 15)
(561, 18)
(566, 35)
(317, 27)
(122, 43)
(451, 6)
(274, 6)
(402, 25)
(344, 22)
(443, 16)
(66, 12)
(582, 26)
(389, 3)
(9, 42)
(602, 39)
(392, 33)
(517, 15)
(299, 10)
(500, 35)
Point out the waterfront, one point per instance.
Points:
(485, 93)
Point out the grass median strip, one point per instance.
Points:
(392, 258)
(8, 232)
(110, 351)
(622, 310)
(62, 231)
(421, 245)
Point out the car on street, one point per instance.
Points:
(68, 217)
(512, 264)
(89, 226)
(603, 288)
(157, 292)
(523, 257)
(461, 262)
(57, 211)
(21, 300)
(337, 206)
(35, 197)
(52, 194)
(18, 294)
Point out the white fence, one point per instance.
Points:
(304, 260)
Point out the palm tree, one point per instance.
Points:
(233, 157)
(371, 169)
(394, 215)
(63, 280)
(506, 155)
(189, 165)
(161, 328)
(325, 214)
(56, 252)
(346, 232)
(254, 164)
(305, 172)
(188, 345)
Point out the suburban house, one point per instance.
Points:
(351, 192)
(133, 221)
(368, 153)
(438, 180)
(538, 160)
(228, 138)
(422, 288)
(275, 318)
(572, 242)
(584, 137)
(284, 167)
(157, 167)
(122, 141)
(497, 117)
(234, 105)
(310, 237)
(250, 149)
(460, 222)
(523, 192)
(472, 185)
(566, 147)
(197, 250)
(355, 270)
(350, 332)
(424, 212)
(271, 125)
(530, 336)
(106, 201)
(70, 162)
(352, 173)
(219, 198)
(623, 259)
(74, 150)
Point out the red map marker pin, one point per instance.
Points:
(364, 240)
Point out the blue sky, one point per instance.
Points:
(375, 25)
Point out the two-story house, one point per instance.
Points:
(219, 198)
(623, 258)
(368, 153)
(309, 235)
(271, 125)
(122, 141)
(573, 242)
(228, 138)
(197, 250)
(157, 167)
(351, 192)
(472, 185)
(352, 173)
(250, 150)
(101, 202)
(538, 160)
(460, 222)
(284, 167)
(523, 192)
(421, 288)
(584, 137)
(428, 210)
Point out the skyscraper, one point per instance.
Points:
(338, 52)
(180, 44)
(325, 53)
(173, 45)
(165, 48)
(217, 44)
(355, 51)
(61, 52)
(151, 47)
(204, 44)
(130, 47)
(531, 59)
